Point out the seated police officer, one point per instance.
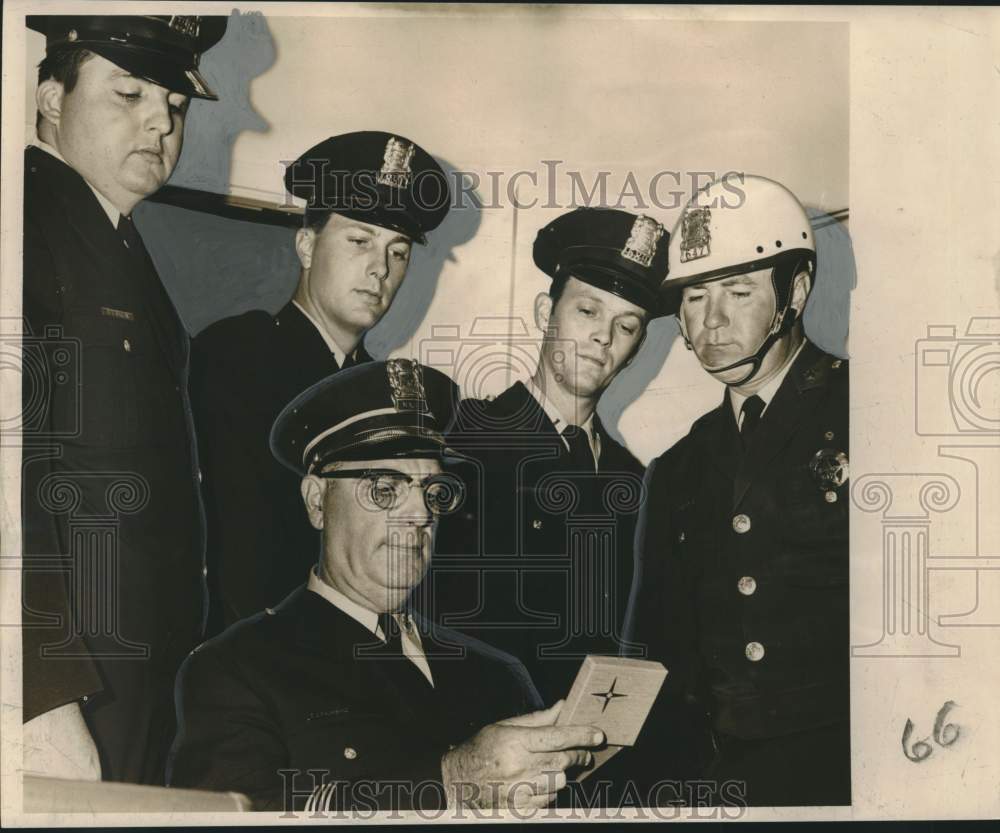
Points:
(369, 196)
(339, 698)
(742, 586)
(540, 562)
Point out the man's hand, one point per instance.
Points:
(58, 744)
(519, 762)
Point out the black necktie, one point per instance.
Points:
(580, 451)
(404, 669)
(130, 236)
(752, 408)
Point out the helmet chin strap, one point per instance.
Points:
(782, 323)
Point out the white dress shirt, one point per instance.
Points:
(413, 648)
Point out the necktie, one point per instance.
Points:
(401, 666)
(752, 408)
(130, 236)
(580, 451)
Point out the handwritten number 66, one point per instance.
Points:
(945, 734)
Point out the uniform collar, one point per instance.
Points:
(114, 215)
(560, 423)
(338, 354)
(362, 615)
(769, 390)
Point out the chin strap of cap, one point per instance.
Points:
(785, 316)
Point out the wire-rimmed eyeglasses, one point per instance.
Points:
(389, 488)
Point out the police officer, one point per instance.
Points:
(338, 698)
(543, 565)
(108, 434)
(741, 589)
(369, 197)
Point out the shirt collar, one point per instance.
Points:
(560, 424)
(552, 412)
(114, 215)
(362, 615)
(769, 390)
(338, 354)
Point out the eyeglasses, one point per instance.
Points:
(386, 489)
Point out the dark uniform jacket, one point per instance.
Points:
(244, 371)
(742, 581)
(539, 561)
(110, 478)
(287, 689)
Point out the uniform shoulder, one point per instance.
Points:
(619, 454)
(255, 320)
(819, 368)
(246, 643)
(234, 336)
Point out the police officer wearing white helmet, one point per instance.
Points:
(741, 585)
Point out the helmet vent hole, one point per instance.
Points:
(760, 250)
(805, 236)
(777, 243)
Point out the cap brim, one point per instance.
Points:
(155, 68)
(404, 448)
(619, 283)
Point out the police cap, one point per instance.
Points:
(622, 253)
(376, 410)
(380, 178)
(163, 49)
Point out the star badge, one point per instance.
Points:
(608, 695)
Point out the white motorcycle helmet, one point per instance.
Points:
(738, 224)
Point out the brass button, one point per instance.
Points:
(127, 345)
(741, 524)
(681, 537)
(836, 364)
(830, 497)
(747, 585)
(754, 651)
(828, 436)
(350, 753)
(536, 524)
